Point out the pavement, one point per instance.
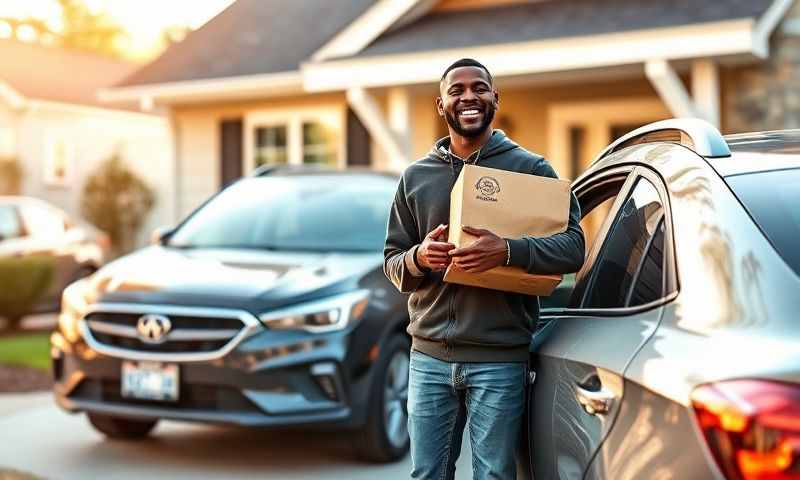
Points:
(36, 437)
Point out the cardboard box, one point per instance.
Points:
(511, 205)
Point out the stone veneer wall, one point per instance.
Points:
(766, 96)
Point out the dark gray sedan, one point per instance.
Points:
(677, 353)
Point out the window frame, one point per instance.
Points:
(634, 173)
(293, 120)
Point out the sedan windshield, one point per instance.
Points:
(772, 198)
(310, 212)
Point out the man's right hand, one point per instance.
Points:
(432, 253)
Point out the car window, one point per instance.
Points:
(10, 226)
(42, 221)
(774, 209)
(315, 212)
(613, 273)
(649, 280)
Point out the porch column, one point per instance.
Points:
(400, 117)
(705, 89)
(670, 88)
(366, 108)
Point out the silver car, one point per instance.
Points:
(677, 353)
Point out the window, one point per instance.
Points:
(312, 136)
(624, 249)
(271, 146)
(774, 209)
(319, 144)
(10, 226)
(649, 281)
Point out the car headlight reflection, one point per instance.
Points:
(325, 315)
(73, 307)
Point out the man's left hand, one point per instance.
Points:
(485, 253)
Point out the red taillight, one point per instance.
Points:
(752, 428)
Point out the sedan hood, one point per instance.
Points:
(232, 278)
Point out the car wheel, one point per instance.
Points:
(385, 436)
(121, 428)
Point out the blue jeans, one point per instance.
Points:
(443, 397)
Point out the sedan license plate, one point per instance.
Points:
(150, 381)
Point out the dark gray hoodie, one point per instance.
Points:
(459, 323)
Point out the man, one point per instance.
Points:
(469, 345)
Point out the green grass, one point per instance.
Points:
(26, 349)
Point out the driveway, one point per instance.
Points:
(37, 437)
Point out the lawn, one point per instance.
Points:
(27, 349)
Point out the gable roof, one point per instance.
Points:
(554, 19)
(56, 74)
(252, 37)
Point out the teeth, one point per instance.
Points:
(469, 112)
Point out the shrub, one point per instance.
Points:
(117, 201)
(25, 281)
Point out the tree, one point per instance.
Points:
(117, 201)
(86, 30)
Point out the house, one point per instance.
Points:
(353, 82)
(53, 125)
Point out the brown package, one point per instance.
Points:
(510, 205)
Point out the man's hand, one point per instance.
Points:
(485, 253)
(432, 253)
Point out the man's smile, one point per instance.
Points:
(469, 114)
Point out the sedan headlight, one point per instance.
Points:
(325, 315)
(73, 307)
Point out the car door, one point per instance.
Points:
(582, 350)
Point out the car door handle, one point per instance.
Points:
(594, 402)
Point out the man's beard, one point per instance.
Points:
(488, 116)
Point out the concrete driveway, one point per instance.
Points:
(38, 438)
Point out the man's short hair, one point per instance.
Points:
(468, 62)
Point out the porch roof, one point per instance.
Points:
(550, 20)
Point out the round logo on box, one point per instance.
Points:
(488, 186)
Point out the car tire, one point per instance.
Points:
(384, 438)
(121, 428)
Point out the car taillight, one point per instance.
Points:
(752, 427)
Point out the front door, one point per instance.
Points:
(583, 349)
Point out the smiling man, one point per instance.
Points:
(469, 345)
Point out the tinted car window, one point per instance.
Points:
(10, 226)
(624, 247)
(313, 212)
(775, 209)
(649, 281)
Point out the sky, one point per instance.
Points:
(144, 19)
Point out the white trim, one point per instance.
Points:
(35, 104)
(266, 85)
(11, 97)
(767, 24)
(366, 108)
(670, 88)
(369, 26)
(732, 37)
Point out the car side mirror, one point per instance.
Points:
(161, 235)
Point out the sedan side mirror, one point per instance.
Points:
(161, 235)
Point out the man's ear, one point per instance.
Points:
(496, 100)
(440, 106)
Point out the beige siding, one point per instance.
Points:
(94, 135)
(198, 148)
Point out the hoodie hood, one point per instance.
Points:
(498, 144)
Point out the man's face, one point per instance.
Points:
(468, 101)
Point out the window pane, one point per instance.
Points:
(271, 146)
(9, 223)
(650, 282)
(319, 144)
(624, 247)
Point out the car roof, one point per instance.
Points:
(312, 170)
(759, 152)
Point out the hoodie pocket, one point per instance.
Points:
(487, 317)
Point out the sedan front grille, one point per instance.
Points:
(193, 333)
